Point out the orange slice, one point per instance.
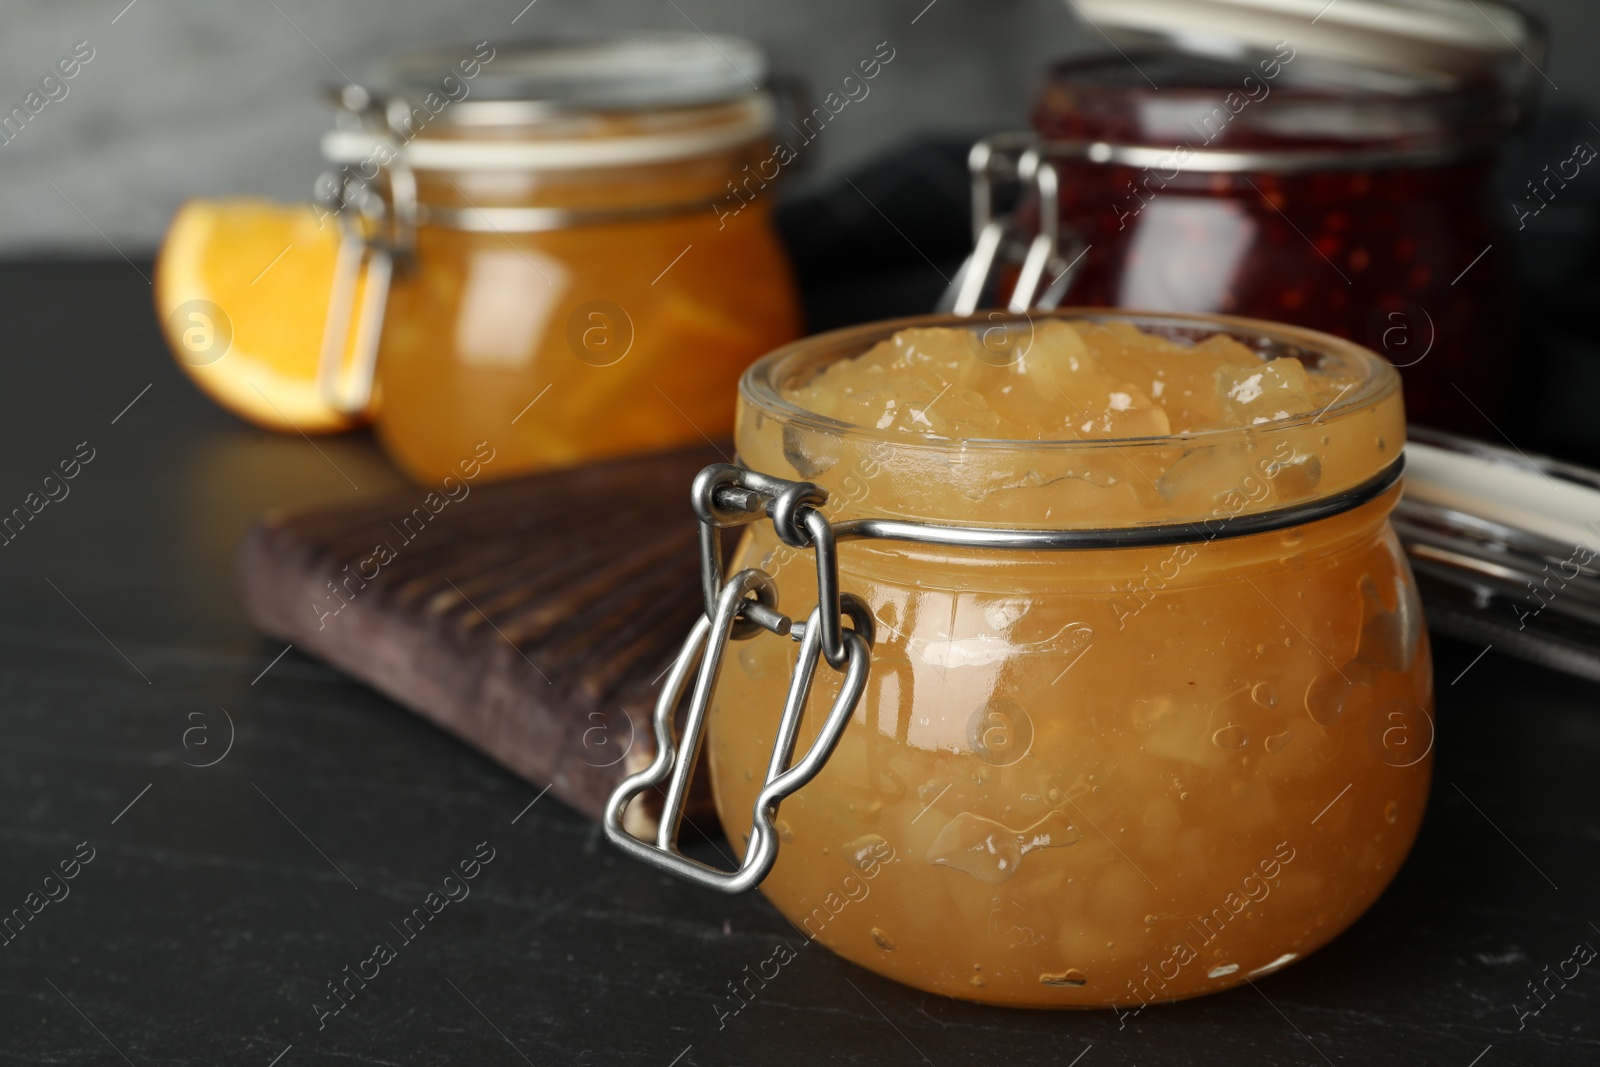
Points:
(243, 288)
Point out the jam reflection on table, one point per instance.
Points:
(1367, 216)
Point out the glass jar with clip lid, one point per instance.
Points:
(536, 225)
(1241, 157)
(1109, 682)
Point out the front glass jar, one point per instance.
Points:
(566, 286)
(1098, 776)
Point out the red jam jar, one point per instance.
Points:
(1282, 185)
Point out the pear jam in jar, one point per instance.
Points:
(1119, 773)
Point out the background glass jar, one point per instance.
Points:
(564, 286)
(1286, 185)
(1092, 777)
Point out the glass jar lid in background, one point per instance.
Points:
(1460, 38)
(561, 103)
(547, 135)
(603, 73)
(1420, 79)
(1247, 157)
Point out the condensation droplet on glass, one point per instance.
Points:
(754, 662)
(1326, 697)
(1391, 811)
(990, 851)
(882, 939)
(785, 834)
(866, 850)
(1232, 736)
(1069, 977)
(1264, 694)
(1276, 742)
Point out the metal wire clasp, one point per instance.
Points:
(1047, 260)
(739, 608)
(373, 196)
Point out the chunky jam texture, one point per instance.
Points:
(1059, 381)
(1102, 777)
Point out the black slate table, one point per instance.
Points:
(221, 900)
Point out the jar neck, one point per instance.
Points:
(480, 169)
(1195, 479)
(1184, 564)
(698, 182)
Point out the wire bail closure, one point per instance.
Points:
(377, 233)
(1048, 259)
(737, 609)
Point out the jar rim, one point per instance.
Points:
(762, 385)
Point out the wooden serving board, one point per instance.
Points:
(532, 618)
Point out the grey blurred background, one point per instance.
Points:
(217, 97)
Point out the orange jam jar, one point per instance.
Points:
(1127, 695)
(564, 286)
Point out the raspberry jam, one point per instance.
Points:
(1279, 187)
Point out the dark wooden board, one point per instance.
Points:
(533, 617)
